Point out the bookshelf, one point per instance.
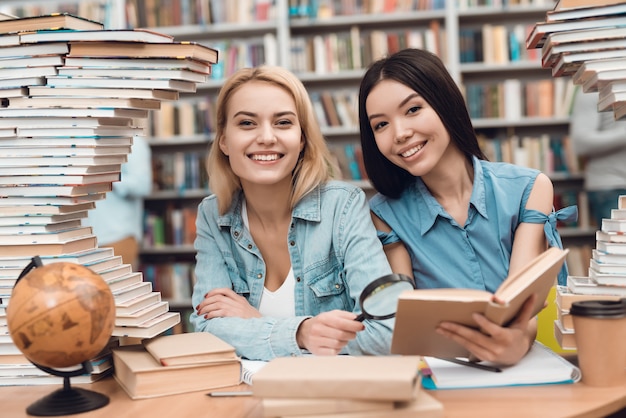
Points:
(328, 48)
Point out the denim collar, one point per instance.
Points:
(431, 209)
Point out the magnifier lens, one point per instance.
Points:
(380, 301)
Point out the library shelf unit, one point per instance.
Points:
(329, 53)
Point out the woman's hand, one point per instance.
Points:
(503, 345)
(328, 332)
(223, 302)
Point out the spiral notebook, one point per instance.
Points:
(540, 366)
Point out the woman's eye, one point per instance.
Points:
(379, 125)
(414, 109)
(245, 123)
(284, 122)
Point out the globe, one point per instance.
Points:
(61, 314)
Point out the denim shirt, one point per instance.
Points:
(334, 253)
(477, 254)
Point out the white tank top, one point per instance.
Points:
(281, 302)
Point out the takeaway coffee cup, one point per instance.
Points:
(600, 333)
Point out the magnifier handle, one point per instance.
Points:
(360, 318)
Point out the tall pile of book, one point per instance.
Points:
(343, 386)
(606, 277)
(587, 42)
(72, 98)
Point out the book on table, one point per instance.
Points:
(586, 11)
(585, 285)
(565, 337)
(71, 136)
(27, 229)
(45, 91)
(119, 83)
(420, 311)
(618, 248)
(193, 50)
(565, 297)
(60, 161)
(540, 366)
(189, 348)
(41, 219)
(582, 4)
(131, 306)
(38, 180)
(142, 315)
(49, 21)
(53, 248)
(354, 377)
(83, 102)
(174, 63)
(541, 30)
(150, 328)
(141, 375)
(118, 35)
(134, 73)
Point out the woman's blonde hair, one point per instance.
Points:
(313, 166)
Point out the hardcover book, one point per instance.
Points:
(354, 377)
(420, 311)
(51, 21)
(189, 348)
(141, 376)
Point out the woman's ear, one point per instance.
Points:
(222, 144)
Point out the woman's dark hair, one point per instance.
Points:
(423, 72)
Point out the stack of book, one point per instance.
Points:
(178, 363)
(72, 98)
(606, 278)
(587, 42)
(343, 386)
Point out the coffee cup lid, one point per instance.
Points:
(599, 308)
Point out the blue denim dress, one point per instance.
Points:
(334, 254)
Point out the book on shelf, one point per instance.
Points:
(174, 63)
(585, 285)
(134, 73)
(541, 30)
(141, 376)
(424, 406)
(611, 247)
(117, 35)
(342, 376)
(586, 11)
(565, 337)
(189, 348)
(120, 83)
(59, 92)
(55, 248)
(540, 366)
(83, 102)
(150, 328)
(193, 50)
(142, 315)
(61, 161)
(38, 180)
(416, 322)
(49, 21)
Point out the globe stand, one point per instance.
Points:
(67, 400)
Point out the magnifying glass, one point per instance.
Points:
(379, 299)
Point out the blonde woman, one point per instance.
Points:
(283, 251)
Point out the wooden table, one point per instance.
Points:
(554, 401)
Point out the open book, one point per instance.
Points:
(421, 310)
(540, 366)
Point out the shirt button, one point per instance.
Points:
(292, 226)
(236, 233)
(249, 246)
(259, 276)
(298, 279)
(292, 243)
(337, 286)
